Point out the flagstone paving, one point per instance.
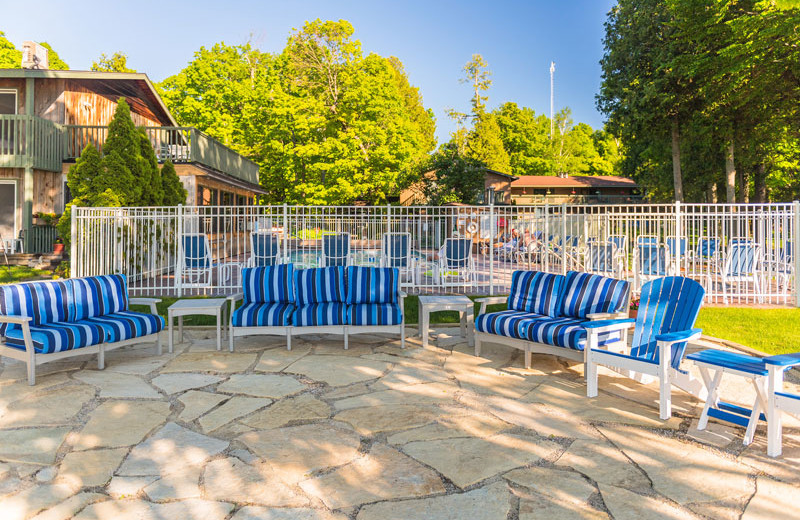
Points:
(371, 433)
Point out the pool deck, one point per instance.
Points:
(371, 433)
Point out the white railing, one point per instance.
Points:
(745, 253)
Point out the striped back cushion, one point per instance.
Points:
(371, 284)
(99, 295)
(272, 284)
(320, 285)
(586, 293)
(532, 291)
(45, 302)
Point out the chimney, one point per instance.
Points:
(34, 56)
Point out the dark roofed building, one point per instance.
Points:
(574, 189)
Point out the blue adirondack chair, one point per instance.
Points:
(651, 261)
(668, 308)
(456, 265)
(336, 250)
(396, 252)
(195, 266)
(677, 248)
(742, 265)
(264, 249)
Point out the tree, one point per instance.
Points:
(477, 75)
(485, 145)
(173, 191)
(451, 177)
(326, 124)
(117, 62)
(10, 57)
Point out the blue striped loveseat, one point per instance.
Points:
(49, 320)
(279, 300)
(546, 312)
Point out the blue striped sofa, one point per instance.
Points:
(546, 312)
(279, 300)
(49, 320)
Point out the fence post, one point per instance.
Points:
(564, 238)
(492, 227)
(179, 249)
(73, 242)
(546, 239)
(388, 262)
(796, 252)
(678, 238)
(285, 231)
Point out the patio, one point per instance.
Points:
(374, 432)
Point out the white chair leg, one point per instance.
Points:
(758, 407)
(665, 391)
(101, 358)
(288, 340)
(477, 346)
(774, 424)
(346, 346)
(159, 347)
(31, 369)
(712, 383)
(527, 358)
(403, 335)
(230, 339)
(591, 375)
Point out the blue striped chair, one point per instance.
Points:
(547, 313)
(668, 308)
(268, 306)
(50, 320)
(742, 265)
(375, 301)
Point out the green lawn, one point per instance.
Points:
(774, 331)
(19, 273)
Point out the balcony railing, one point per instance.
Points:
(42, 144)
(30, 141)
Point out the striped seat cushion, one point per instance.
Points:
(318, 314)
(320, 285)
(270, 284)
(123, 325)
(371, 284)
(586, 294)
(57, 337)
(504, 323)
(99, 295)
(263, 315)
(376, 314)
(44, 302)
(561, 332)
(535, 292)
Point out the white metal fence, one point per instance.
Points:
(745, 253)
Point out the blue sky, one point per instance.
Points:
(434, 39)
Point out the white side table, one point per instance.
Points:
(462, 304)
(206, 307)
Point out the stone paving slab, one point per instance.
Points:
(319, 433)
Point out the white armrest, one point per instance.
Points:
(490, 300)
(150, 302)
(18, 320)
(236, 297)
(606, 315)
(402, 294)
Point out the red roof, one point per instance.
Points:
(573, 181)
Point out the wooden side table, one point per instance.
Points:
(462, 304)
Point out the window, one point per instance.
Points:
(8, 101)
(227, 198)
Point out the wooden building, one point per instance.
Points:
(496, 185)
(574, 189)
(47, 117)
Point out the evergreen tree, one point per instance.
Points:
(123, 166)
(150, 176)
(484, 144)
(173, 191)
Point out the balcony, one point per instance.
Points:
(42, 144)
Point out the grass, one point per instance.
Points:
(773, 331)
(20, 273)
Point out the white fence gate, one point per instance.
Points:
(741, 253)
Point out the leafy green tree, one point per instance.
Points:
(173, 191)
(452, 177)
(526, 139)
(484, 144)
(54, 60)
(10, 57)
(117, 62)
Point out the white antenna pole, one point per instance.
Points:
(552, 71)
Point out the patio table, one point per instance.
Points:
(712, 365)
(462, 304)
(204, 307)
